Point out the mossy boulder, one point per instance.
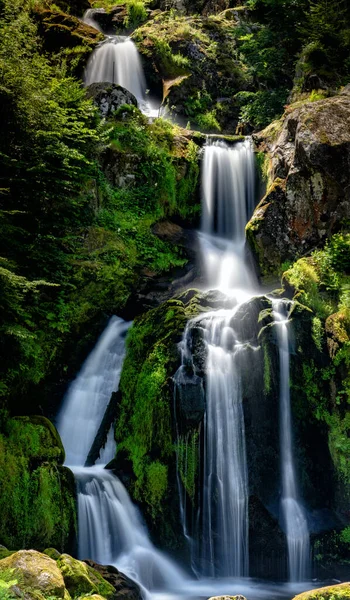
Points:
(125, 588)
(37, 495)
(81, 579)
(36, 575)
(309, 150)
(332, 592)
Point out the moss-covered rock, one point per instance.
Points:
(334, 592)
(66, 34)
(81, 579)
(309, 151)
(197, 61)
(125, 588)
(35, 574)
(37, 495)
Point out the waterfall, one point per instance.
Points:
(293, 515)
(116, 60)
(220, 542)
(89, 18)
(88, 396)
(228, 198)
(110, 528)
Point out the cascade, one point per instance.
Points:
(116, 60)
(228, 198)
(293, 514)
(110, 527)
(220, 544)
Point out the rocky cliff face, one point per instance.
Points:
(309, 194)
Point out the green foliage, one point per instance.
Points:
(188, 461)
(322, 283)
(156, 486)
(37, 496)
(262, 107)
(8, 579)
(136, 13)
(144, 422)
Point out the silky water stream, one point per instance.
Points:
(111, 529)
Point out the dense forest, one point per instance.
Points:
(101, 201)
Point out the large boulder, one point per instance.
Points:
(35, 575)
(109, 97)
(309, 192)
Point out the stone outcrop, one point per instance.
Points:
(196, 62)
(309, 192)
(41, 511)
(60, 30)
(125, 588)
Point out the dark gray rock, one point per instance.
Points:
(125, 588)
(109, 97)
(309, 195)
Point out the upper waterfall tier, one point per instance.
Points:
(89, 394)
(228, 199)
(228, 184)
(116, 60)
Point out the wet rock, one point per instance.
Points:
(190, 398)
(109, 97)
(309, 196)
(125, 588)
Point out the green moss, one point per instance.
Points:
(334, 592)
(187, 449)
(267, 370)
(156, 485)
(37, 495)
(81, 579)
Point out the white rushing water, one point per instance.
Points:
(89, 18)
(228, 197)
(219, 546)
(110, 528)
(117, 60)
(293, 514)
(225, 469)
(89, 394)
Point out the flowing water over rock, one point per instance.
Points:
(110, 527)
(228, 199)
(116, 60)
(293, 514)
(89, 394)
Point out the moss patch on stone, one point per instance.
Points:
(81, 579)
(37, 495)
